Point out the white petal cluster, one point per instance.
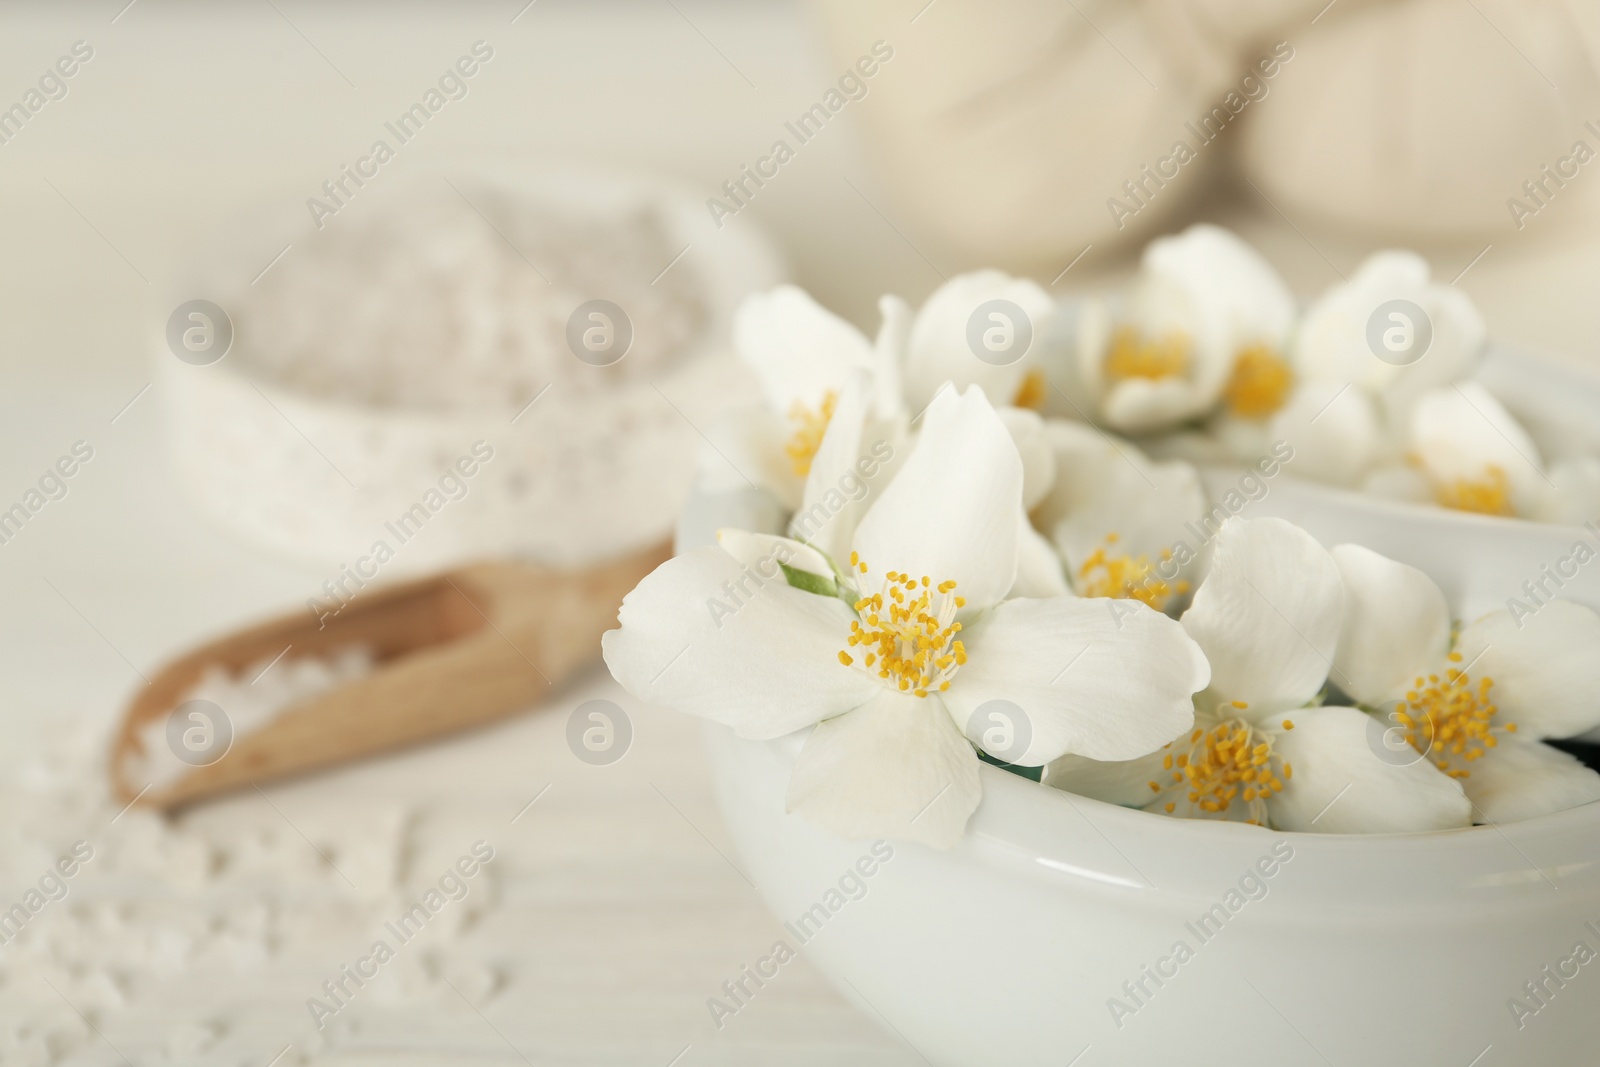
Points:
(1206, 357)
(964, 577)
(1344, 700)
(894, 655)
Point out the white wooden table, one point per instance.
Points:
(613, 908)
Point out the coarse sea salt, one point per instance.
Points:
(456, 296)
(251, 699)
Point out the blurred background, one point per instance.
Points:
(1020, 134)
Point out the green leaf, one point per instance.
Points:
(1032, 774)
(809, 582)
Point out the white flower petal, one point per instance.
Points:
(1573, 496)
(1522, 779)
(759, 551)
(1210, 287)
(1213, 286)
(1341, 786)
(744, 448)
(954, 508)
(836, 496)
(1267, 615)
(1462, 433)
(938, 352)
(1140, 405)
(1093, 328)
(1038, 566)
(1334, 430)
(1038, 460)
(893, 768)
(1081, 456)
(765, 662)
(1396, 626)
(798, 349)
(1071, 359)
(1105, 486)
(888, 353)
(1545, 667)
(1108, 679)
(1124, 782)
(1332, 343)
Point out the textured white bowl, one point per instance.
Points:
(1386, 951)
(574, 480)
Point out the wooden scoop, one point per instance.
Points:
(452, 651)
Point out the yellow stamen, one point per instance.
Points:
(911, 638)
(1226, 763)
(1033, 392)
(1489, 495)
(809, 426)
(1260, 383)
(1125, 577)
(1135, 356)
(1451, 721)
